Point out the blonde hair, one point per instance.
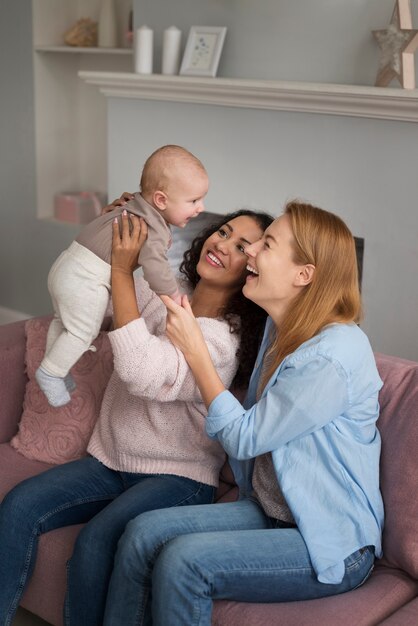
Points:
(163, 164)
(323, 240)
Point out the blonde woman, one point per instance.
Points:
(304, 447)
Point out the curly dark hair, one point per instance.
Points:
(242, 315)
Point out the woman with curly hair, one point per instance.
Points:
(149, 449)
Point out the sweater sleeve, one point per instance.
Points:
(153, 368)
(150, 305)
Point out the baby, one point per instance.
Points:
(173, 185)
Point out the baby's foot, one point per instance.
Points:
(53, 387)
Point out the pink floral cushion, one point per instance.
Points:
(58, 435)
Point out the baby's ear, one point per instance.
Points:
(160, 200)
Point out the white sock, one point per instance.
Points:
(70, 383)
(53, 387)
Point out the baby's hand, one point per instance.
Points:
(125, 197)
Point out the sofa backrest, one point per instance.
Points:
(398, 426)
(227, 490)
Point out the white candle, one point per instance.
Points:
(107, 28)
(171, 50)
(144, 40)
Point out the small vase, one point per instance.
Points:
(107, 28)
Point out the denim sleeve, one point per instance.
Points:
(303, 398)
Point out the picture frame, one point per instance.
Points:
(203, 51)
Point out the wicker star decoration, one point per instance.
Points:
(397, 45)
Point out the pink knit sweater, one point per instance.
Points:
(152, 418)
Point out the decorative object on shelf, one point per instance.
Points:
(129, 35)
(107, 30)
(79, 207)
(144, 42)
(397, 42)
(83, 34)
(203, 50)
(171, 50)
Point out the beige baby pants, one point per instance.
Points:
(79, 285)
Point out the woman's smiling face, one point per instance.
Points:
(274, 279)
(223, 259)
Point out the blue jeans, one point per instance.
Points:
(74, 493)
(170, 565)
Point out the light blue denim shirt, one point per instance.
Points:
(317, 416)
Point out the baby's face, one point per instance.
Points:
(185, 197)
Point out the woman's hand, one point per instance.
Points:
(127, 243)
(125, 249)
(182, 328)
(125, 197)
(184, 332)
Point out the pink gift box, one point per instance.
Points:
(79, 207)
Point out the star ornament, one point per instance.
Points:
(398, 44)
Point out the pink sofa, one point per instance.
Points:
(389, 597)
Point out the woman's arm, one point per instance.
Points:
(152, 367)
(184, 331)
(125, 250)
(306, 396)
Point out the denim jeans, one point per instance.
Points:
(74, 493)
(170, 565)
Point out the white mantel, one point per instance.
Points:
(348, 100)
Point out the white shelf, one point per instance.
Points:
(83, 50)
(331, 99)
(70, 116)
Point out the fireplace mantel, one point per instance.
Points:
(347, 100)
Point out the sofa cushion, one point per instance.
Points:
(384, 593)
(14, 468)
(58, 435)
(398, 425)
(406, 616)
(227, 490)
(45, 592)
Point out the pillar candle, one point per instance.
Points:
(144, 40)
(107, 28)
(171, 50)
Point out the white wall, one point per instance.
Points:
(302, 40)
(362, 169)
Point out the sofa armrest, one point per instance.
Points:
(12, 377)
